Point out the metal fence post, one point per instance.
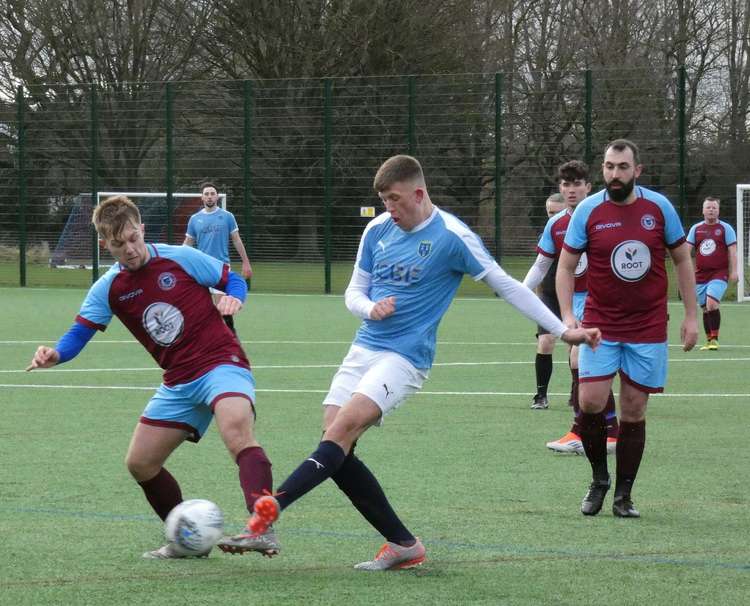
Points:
(412, 86)
(588, 118)
(681, 143)
(327, 179)
(94, 119)
(247, 97)
(170, 158)
(22, 193)
(498, 162)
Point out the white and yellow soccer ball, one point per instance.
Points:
(194, 527)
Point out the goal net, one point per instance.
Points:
(743, 242)
(75, 248)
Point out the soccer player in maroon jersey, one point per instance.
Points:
(160, 293)
(715, 244)
(625, 231)
(574, 184)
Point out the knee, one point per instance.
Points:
(140, 469)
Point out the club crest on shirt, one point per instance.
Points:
(582, 266)
(167, 280)
(707, 247)
(425, 246)
(717, 232)
(648, 222)
(163, 322)
(630, 260)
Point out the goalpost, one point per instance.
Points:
(743, 244)
(75, 247)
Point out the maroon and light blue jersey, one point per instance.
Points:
(551, 244)
(167, 307)
(627, 278)
(711, 244)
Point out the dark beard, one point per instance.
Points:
(621, 194)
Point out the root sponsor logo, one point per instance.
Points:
(631, 260)
(707, 247)
(163, 322)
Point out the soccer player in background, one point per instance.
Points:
(625, 231)
(409, 265)
(574, 184)
(715, 245)
(210, 230)
(545, 342)
(160, 293)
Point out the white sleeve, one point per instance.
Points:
(356, 296)
(538, 271)
(525, 301)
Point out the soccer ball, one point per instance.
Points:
(194, 527)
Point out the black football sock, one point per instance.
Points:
(594, 437)
(707, 324)
(162, 492)
(610, 414)
(543, 364)
(630, 445)
(358, 483)
(229, 321)
(318, 467)
(715, 316)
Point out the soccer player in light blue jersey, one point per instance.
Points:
(410, 263)
(210, 230)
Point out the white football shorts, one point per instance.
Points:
(385, 377)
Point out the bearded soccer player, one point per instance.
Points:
(575, 185)
(210, 230)
(160, 293)
(625, 231)
(715, 245)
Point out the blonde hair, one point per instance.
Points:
(397, 169)
(115, 214)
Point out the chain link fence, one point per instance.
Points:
(296, 159)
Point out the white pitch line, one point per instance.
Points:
(420, 393)
(314, 343)
(336, 365)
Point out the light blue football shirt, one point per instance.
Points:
(211, 231)
(422, 269)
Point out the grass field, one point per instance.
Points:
(463, 462)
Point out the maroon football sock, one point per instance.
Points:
(594, 437)
(255, 474)
(610, 413)
(630, 445)
(162, 492)
(575, 428)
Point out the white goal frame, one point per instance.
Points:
(134, 195)
(743, 244)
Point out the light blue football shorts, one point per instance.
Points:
(713, 288)
(189, 406)
(643, 365)
(579, 302)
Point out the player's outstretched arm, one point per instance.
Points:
(44, 357)
(686, 283)
(576, 336)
